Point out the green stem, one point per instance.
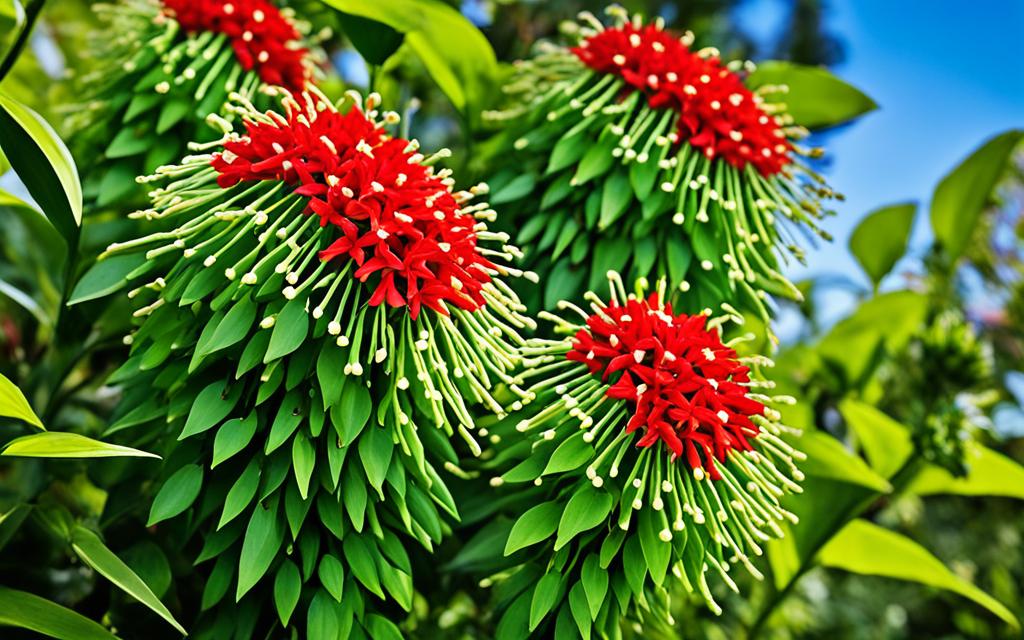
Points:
(31, 14)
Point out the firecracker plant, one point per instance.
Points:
(651, 158)
(318, 316)
(169, 66)
(660, 460)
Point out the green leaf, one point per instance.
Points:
(656, 552)
(962, 194)
(211, 405)
(375, 449)
(177, 494)
(456, 55)
(241, 494)
(375, 41)
(865, 548)
(545, 596)
(287, 589)
(44, 165)
(290, 329)
(360, 560)
(332, 576)
(322, 618)
(380, 628)
(520, 187)
(886, 442)
(595, 583)
(94, 553)
(571, 454)
(13, 404)
(105, 276)
(828, 458)
(52, 444)
(350, 415)
(538, 523)
(880, 239)
(585, 510)
(303, 459)
(28, 611)
(816, 98)
(990, 473)
(616, 195)
(580, 610)
(233, 328)
(233, 436)
(263, 538)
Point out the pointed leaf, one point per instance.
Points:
(14, 405)
(585, 510)
(52, 444)
(28, 611)
(880, 239)
(538, 523)
(177, 494)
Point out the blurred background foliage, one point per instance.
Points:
(924, 369)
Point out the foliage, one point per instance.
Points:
(208, 429)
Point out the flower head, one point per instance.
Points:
(688, 388)
(399, 221)
(717, 113)
(262, 38)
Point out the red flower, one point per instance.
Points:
(397, 219)
(717, 113)
(262, 38)
(688, 387)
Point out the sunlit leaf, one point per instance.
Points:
(961, 196)
(880, 239)
(52, 444)
(14, 405)
(990, 473)
(828, 458)
(28, 611)
(865, 548)
(94, 553)
(886, 442)
(44, 165)
(816, 98)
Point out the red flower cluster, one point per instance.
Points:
(261, 37)
(397, 219)
(686, 384)
(717, 113)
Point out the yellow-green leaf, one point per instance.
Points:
(14, 405)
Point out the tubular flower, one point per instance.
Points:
(261, 37)
(686, 385)
(326, 417)
(172, 65)
(630, 129)
(399, 222)
(645, 419)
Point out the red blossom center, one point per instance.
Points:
(687, 385)
(717, 113)
(398, 221)
(262, 38)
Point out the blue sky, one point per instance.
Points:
(947, 75)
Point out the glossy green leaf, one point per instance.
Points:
(106, 276)
(290, 328)
(865, 548)
(880, 239)
(28, 611)
(51, 444)
(538, 523)
(352, 412)
(456, 55)
(233, 436)
(241, 493)
(963, 193)
(585, 510)
(816, 98)
(545, 597)
(263, 538)
(211, 405)
(359, 557)
(177, 494)
(322, 618)
(13, 404)
(303, 460)
(44, 165)
(287, 589)
(93, 552)
(375, 41)
(380, 628)
(886, 442)
(375, 449)
(595, 583)
(828, 458)
(332, 576)
(990, 473)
